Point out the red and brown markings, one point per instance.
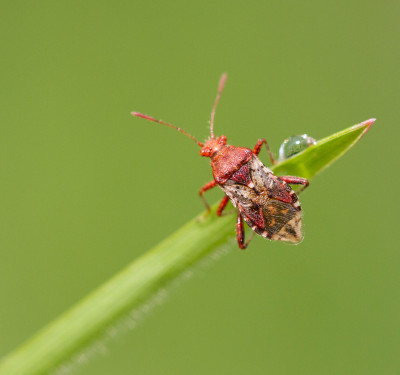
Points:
(267, 204)
(264, 201)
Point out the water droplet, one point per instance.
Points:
(293, 145)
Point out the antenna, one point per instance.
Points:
(141, 115)
(220, 88)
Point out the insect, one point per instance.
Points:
(264, 201)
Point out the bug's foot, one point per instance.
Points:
(230, 212)
(205, 215)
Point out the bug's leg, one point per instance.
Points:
(222, 205)
(257, 149)
(206, 187)
(240, 233)
(296, 181)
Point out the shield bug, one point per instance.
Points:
(264, 201)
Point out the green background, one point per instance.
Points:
(85, 188)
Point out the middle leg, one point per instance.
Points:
(222, 205)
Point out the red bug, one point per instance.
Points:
(266, 202)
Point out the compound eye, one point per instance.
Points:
(222, 140)
(205, 151)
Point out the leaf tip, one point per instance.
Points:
(367, 124)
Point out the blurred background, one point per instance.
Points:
(86, 188)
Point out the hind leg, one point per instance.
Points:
(296, 181)
(240, 233)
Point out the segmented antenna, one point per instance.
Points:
(220, 88)
(138, 114)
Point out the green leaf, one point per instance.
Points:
(321, 155)
(76, 328)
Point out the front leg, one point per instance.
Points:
(206, 187)
(257, 149)
(296, 181)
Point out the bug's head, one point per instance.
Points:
(212, 146)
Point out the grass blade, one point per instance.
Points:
(321, 155)
(74, 330)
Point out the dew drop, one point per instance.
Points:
(293, 145)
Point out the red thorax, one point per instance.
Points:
(225, 159)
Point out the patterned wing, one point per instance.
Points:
(268, 205)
